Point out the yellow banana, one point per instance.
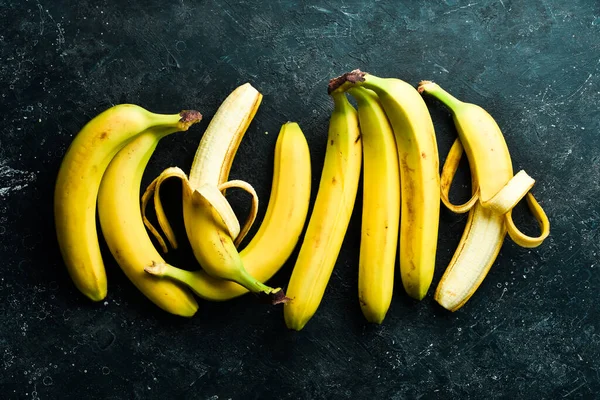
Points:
(77, 186)
(280, 230)
(330, 216)
(419, 174)
(211, 225)
(381, 207)
(495, 192)
(123, 229)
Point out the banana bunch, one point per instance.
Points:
(389, 138)
(211, 225)
(392, 135)
(105, 164)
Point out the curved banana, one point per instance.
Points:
(211, 225)
(78, 181)
(123, 229)
(381, 207)
(330, 216)
(495, 192)
(280, 230)
(419, 174)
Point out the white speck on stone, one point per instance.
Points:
(12, 180)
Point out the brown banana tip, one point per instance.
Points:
(275, 297)
(189, 117)
(352, 77)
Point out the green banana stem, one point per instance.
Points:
(194, 281)
(436, 91)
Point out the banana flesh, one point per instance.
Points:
(280, 230)
(495, 192)
(380, 209)
(211, 225)
(123, 229)
(79, 179)
(330, 216)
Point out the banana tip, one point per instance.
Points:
(352, 77)
(275, 297)
(189, 117)
(423, 86)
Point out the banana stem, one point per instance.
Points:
(195, 282)
(181, 121)
(359, 93)
(436, 91)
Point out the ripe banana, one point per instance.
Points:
(123, 229)
(78, 181)
(330, 216)
(419, 174)
(381, 207)
(495, 192)
(280, 230)
(211, 225)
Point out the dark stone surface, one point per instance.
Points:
(531, 331)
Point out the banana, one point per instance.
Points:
(78, 181)
(495, 192)
(123, 229)
(419, 174)
(211, 225)
(381, 207)
(280, 230)
(330, 216)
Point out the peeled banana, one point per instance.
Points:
(495, 192)
(211, 225)
(280, 230)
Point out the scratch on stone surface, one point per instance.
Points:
(577, 91)
(546, 92)
(502, 294)
(442, 68)
(550, 10)
(576, 389)
(350, 15)
(229, 14)
(502, 2)
(461, 7)
(41, 9)
(59, 29)
(109, 57)
(482, 338)
(12, 180)
(533, 328)
(331, 31)
(321, 9)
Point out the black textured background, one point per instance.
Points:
(531, 331)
